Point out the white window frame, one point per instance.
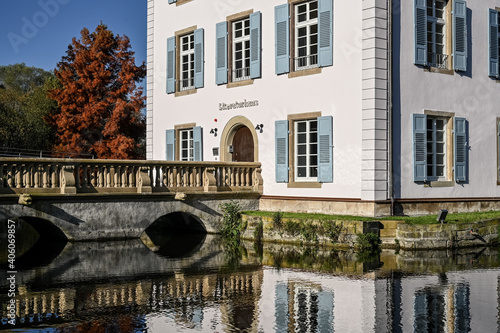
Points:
(186, 67)
(243, 72)
(309, 60)
(435, 59)
(308, 154)
(189, 149)
(432, 142)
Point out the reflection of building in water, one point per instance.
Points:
(303, 306)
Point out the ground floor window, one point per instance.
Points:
(306, 150)
(186, 145)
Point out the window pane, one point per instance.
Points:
(301, 160)
(313, 171)
(313, 149)
(430, 171)
(301, 172)
(440, 159)
(440, 171)
(301, 149)
(313, 137)
(301, 127)
(301, 138)
(440, 148)
(313, 160)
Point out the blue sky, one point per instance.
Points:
(38, 32)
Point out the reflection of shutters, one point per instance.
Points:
(325, 161)
(460, 35)
(281, 308)
(325, 33)
(197, 143)
(255, 45)
(420, 321)
(460, 149)
(170, 65)
(170, 141)
(198, 58)
(493, 43)
(462, 312)
(325, 313)
(282, 38)
(281, 132)
(419, 148)
(221, 53)
(420, 26)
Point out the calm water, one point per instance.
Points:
(204, 286)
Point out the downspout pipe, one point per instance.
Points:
(390, 176)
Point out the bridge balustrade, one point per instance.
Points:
(75, 176)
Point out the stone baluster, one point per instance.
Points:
(78, 183)
(45, 176)
(164, 172)
(100, 176)
(257, 181)
(93, 176)
(124, 175)
(178, 181)
(26, 175)
(173, 181)
(9, 176)
(53, 175)
(198, 178)
(110, 176)
(18, 177)
(116, 176)
(131, 176)
(192, 174)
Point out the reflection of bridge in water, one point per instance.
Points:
(321, 290)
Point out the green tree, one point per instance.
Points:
(24, 104)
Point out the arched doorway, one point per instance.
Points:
(243, 145)
(239, 141)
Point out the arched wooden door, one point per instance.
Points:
(243, 149)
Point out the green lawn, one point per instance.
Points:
(428, 219)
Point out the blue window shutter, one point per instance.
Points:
(281, 304)
(172, 1)
(420, 25)
(198, 58)
(420, 312)
(325, 143)
(493, 43)
(255, 45)
(221, 53)
(419, 147)
(282, 38)
(281, 133)
(325, 32)
(460, 35)
(198, 143)
(170, 65)
(460, 149)
(170, 140)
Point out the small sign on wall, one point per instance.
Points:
(238, 105)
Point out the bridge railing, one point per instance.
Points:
(74, 176)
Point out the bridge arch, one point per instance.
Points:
(175, 235)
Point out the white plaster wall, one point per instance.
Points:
(336, 91)
(472, 95)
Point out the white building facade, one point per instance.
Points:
(325, 94)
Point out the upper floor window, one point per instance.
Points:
(309, 42)
(306, 35)
(440, 37)
(241, 50)
(185, 64)
(238, 48)
(494, 43)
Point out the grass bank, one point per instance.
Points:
(427, 219)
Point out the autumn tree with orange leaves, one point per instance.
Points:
(100, 102)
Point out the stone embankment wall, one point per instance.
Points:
(393, 234)
(447, 236)
(308, 231)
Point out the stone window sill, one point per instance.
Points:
(440, 183)
(304, 72)
(239, 83)
(185, 92)
(304, 185)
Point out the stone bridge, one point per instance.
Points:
(107, 199)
